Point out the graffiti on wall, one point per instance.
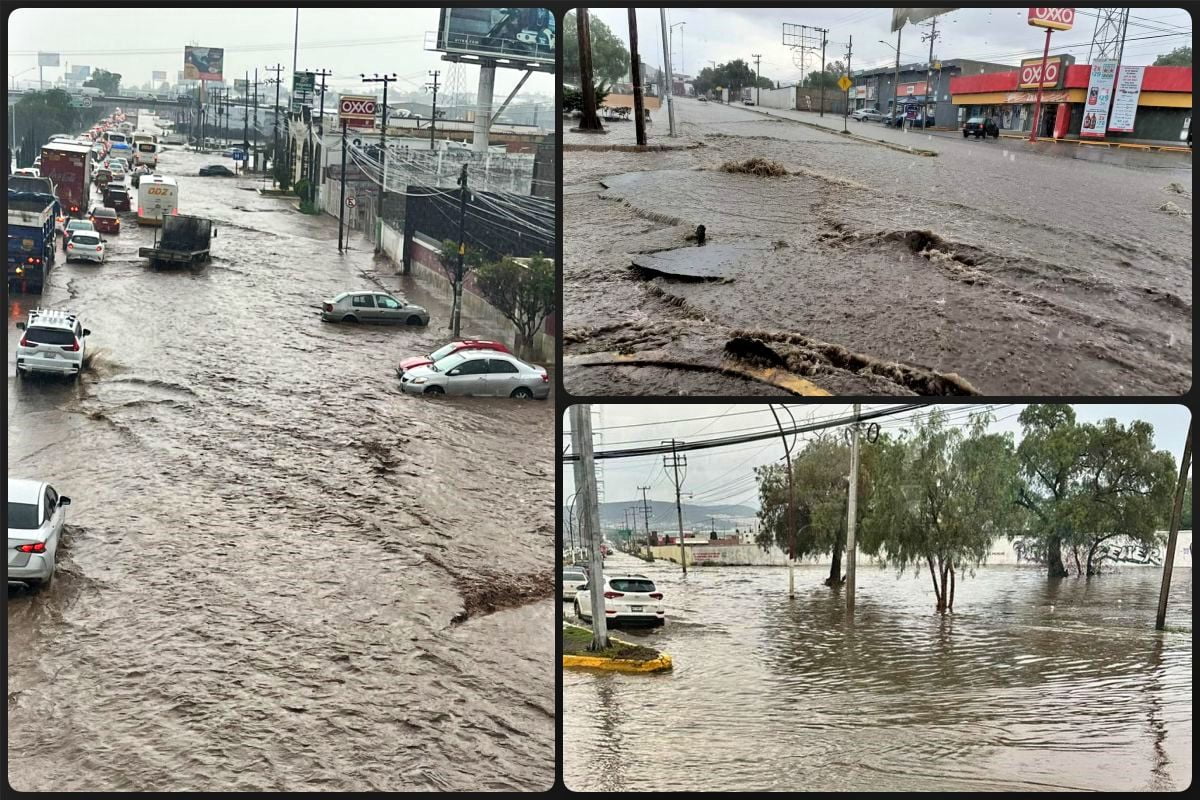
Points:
(1137, 553)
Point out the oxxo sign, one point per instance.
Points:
(1060, 19)
(1031, 73)
(356, 110)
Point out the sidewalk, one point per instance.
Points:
(622, 135)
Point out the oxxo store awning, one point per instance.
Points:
(1163, 107)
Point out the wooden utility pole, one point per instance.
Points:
(674, 462)
(635, 68)
(316, 165)
(585, 484)
(1169, 563)
(757, 77)
(278, 68)
(590, 121)
(456, 309)
(852, 512)
(791, 509)
(383, 157)
(433, 85)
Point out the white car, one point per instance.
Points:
(479, 373)
(627, 598)
(54, 341)
(572, 579)
(86, 246)
(36, 515)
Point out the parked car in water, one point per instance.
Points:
(86, 246)
(628, 598)
(377, 307)
(215, 170)
(572, 579)
(479, 373)
(105, 219)
(454, 347)
(54, 341)
(36, 516)
(980, 127)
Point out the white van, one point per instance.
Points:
(158, 196)
(145, 154)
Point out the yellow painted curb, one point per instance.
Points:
(659, 664)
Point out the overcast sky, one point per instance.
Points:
(984, 34)
(348, 41)
(725, 475)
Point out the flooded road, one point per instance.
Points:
(988, 263)
(268, 542)
(1028, 686)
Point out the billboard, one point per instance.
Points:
(357, 111)
(79, 72)
(525, 34)
(158, 76)
(1095, 106)
(1124, 107)
(203, 63)
(47, 59)
(241, 85)
(1031, 73)
(1059, 19)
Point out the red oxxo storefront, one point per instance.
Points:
(1163, 112)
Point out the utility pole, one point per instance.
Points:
(635, 68)
(669, 78)
(824, 32)
(383, 154)
(757, 77)
(255, 118)
(791, 509)
(342, 201)
(278, 68)
(1168, 564)
(316, 163)
(456, 311)
(296, 41)
(674, 462)
(585, 484)
(646, 513)
(590, 121)
(930, 37)
(246, 127)
(846, 113)
(433, 117)
(896, 81)
(852, 512)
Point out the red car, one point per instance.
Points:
(105, 219)
(445, 350)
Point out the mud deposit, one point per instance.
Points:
(970, 264)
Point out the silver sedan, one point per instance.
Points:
(378, 307)
(484, 373)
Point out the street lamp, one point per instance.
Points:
(896, 80)
(673, 27)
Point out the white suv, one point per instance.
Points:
(54, 341)
(627, 598)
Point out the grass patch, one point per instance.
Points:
(576, 641)
(761, 167)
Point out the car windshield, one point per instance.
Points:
(22, 516)
(79, 225)
(56, 336)
(975, 119)
(442, 352)
(448, 363)
(632, 585)
(104, 212)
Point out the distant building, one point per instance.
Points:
(877, 88)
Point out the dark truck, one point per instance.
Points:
(31, 222)
(184, 242)
(69, 165)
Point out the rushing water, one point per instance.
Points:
(1029, 685)
(268, 542)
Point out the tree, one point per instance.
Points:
(610, 57)
(522, 292)
(1086, 483)
(1185, 517)
(448, 255)
(940, 495)
(1179, 57)
(733, 75)
(109, 83)
(573, 98)
(41, 114)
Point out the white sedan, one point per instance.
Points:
(36, 515)
(86, 246)
(572, 579)
(627, 598)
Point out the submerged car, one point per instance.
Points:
(479, 373)
(627, 598)
(53, 341)
(377, 307)
(454, 347)
(215, 170)
(36, 516)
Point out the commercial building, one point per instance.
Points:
(1163, 111)
(878, 88)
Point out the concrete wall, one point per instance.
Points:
(1115, 552)
(777, 98)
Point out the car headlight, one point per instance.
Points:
(419, 380)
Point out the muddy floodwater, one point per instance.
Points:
(991, 262)
(279, 573)
(1030, 685)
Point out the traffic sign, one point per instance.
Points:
(303, 82)
(351, 202)
(238, 155)
(844, 83)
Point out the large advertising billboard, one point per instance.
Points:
(47, 59)
(203, 63)
(524, 34)
(1095, 106)
(1125, 101)
(158, 76)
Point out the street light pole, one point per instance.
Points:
(667, 79)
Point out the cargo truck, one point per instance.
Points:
(184, 242)
(69, 166)
(31, 222)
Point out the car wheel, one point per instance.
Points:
(965, 134)
(349, 318)
(435, 390)
(521, 393)
(414, 320)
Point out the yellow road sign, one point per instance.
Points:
(845, 83)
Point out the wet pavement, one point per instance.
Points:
(999, 266)
(1030, 685)
(271, 574)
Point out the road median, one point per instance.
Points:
(620, 656)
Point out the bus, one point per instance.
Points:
(158, 196)
(112, 137)
(145, 149)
